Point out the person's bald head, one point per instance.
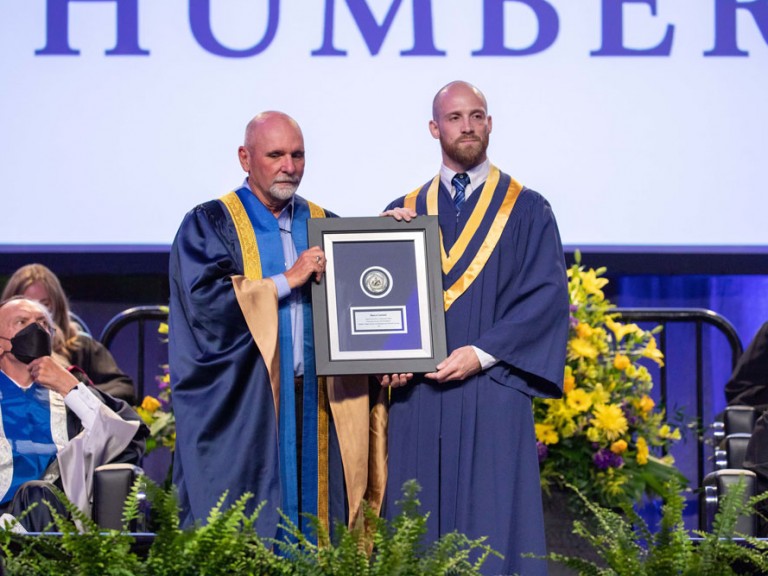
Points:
(16, 313)
(452, 89)
(263, 122)
(460, 121)
(273, 156)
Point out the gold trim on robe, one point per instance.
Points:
(246, 235)
(473, 224)
(362, 436)
(315, 211)
(258, 302)
(377, 450)
(486, 249)
(323, 440)
(410, 199)
(471, 228)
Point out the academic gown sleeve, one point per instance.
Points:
(117, 434)
(226, 427)
(205, 255)
(134, 451)
(530, 332)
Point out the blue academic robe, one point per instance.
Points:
(31, 419)
(228, 435)
(35, 424)
(471, 445)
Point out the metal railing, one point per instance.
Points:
(140, 316)
(698, 317)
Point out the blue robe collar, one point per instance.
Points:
(26, 432)
(270, 250)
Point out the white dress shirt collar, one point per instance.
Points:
(477, 176)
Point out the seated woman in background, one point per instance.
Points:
(37, 282)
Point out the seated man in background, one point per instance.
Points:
(37, 282)
(53, 428)
(748, 386)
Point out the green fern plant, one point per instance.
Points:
(228, 544)
(627, 547)
(79, 547)
(398, 547)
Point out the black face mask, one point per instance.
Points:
(30, 343)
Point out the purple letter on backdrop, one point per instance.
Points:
(725, 25)
(57, 22)
(374, 33)
(493, 28)
(613, 28)
(200, 22)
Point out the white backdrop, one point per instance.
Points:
(643, 150)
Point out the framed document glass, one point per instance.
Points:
(379, 307)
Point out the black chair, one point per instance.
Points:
(715, 486)
(740, 419)
(112, 484)
(125, 335)
(736, 430)
(733, 420)
(731, 452)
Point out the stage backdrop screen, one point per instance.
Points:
(644, 122)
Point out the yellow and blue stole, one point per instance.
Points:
(34, 426)
(262, 250)
(471, 251)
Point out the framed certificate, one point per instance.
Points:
(379, 307)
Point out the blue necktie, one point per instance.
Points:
(459, 182)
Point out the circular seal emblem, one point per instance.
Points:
(376, 281)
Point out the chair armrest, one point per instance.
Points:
(732, 451)
(715, 487)
(111, 485)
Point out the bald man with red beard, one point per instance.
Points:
(466, 431)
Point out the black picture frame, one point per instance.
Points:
(379, 307)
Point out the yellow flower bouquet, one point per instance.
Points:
(606, 436)
(157, 412)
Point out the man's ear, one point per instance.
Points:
(242, 155)
(434, 129)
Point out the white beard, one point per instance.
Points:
(283, 190)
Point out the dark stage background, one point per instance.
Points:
(103, 281)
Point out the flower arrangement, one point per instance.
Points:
(605, 436)
(157, 412)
